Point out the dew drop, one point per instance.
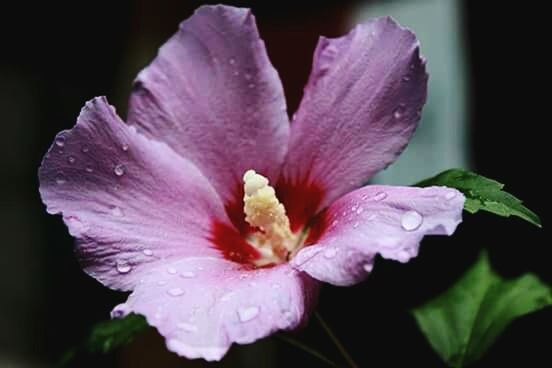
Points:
(368, 267)
(186, 327)
(450, 195)
(354, 208)
(334, 222)
(119, 170)
(187, 274)
(60, 179)
(171, 271)
(247, 76)
(89, 169)
(120, 311)
(251, 85)
(359, 210)
(232, 61)
(161, 282)
(60, 141)
(330, 252)
(355, 225)
(85, 149)
(411, 220)
(236, 73)
(175, 291)
(147, 252)
(248, 313)
(403, 256)
(124, 147)
(380, 196)
(406, 78)
(117, 211)
(123, 267)
(398, 112)
(71, 159)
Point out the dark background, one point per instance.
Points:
(57, 56)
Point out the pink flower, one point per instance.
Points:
(157, 204)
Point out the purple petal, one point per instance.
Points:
(128, 200)
(385, 220)
(360, 108)
(204, 305)
(214, 97)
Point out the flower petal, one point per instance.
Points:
(214, 97)
(128, 200)
(361, 105)
(207, 304)
(377, 219)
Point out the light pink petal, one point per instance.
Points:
(214, 97)
(360, 107)
(128, 200)
(201, 306)
(386, 220)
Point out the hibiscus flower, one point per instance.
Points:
(219, 215)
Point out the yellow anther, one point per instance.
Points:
(264, 211)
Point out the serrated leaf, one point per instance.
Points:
(462, 323)
(482, 194)
(107, 336)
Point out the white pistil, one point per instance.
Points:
(264, 211)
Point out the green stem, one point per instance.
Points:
(298, 344)
(336, 341)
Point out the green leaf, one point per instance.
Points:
(482, 194)
(109, 335)
(106, 337)
(462, 323)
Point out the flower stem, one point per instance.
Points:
(298, 344)
(336, 341)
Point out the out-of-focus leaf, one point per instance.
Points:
(463, 322)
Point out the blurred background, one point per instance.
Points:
(487, 110)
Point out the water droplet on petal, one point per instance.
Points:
(403, 256)
(171, 271)
(117, 211)
(60, 179)
(186, 327)
(85, 149)
(123, 267)
(355, 225)
(398, 112)
(247, 76)
(147, 252)
(368, 267)
(236, 73)
(124, 147)
(120, 311)
(359, 210)
(227, 296)
(450, 195)
(232, 61)
(161, 282)
(89, 169)
(119, 170)
(406, 78)
(175, 291)
(334, 222)
(330, 252)
(71, 159)
(60, 141)
(187, 274)
(251, 85)
(411, 220)
(380, 196)
(354, 208)
(248, 313)
(243, 276)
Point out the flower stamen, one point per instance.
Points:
(264, 212)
